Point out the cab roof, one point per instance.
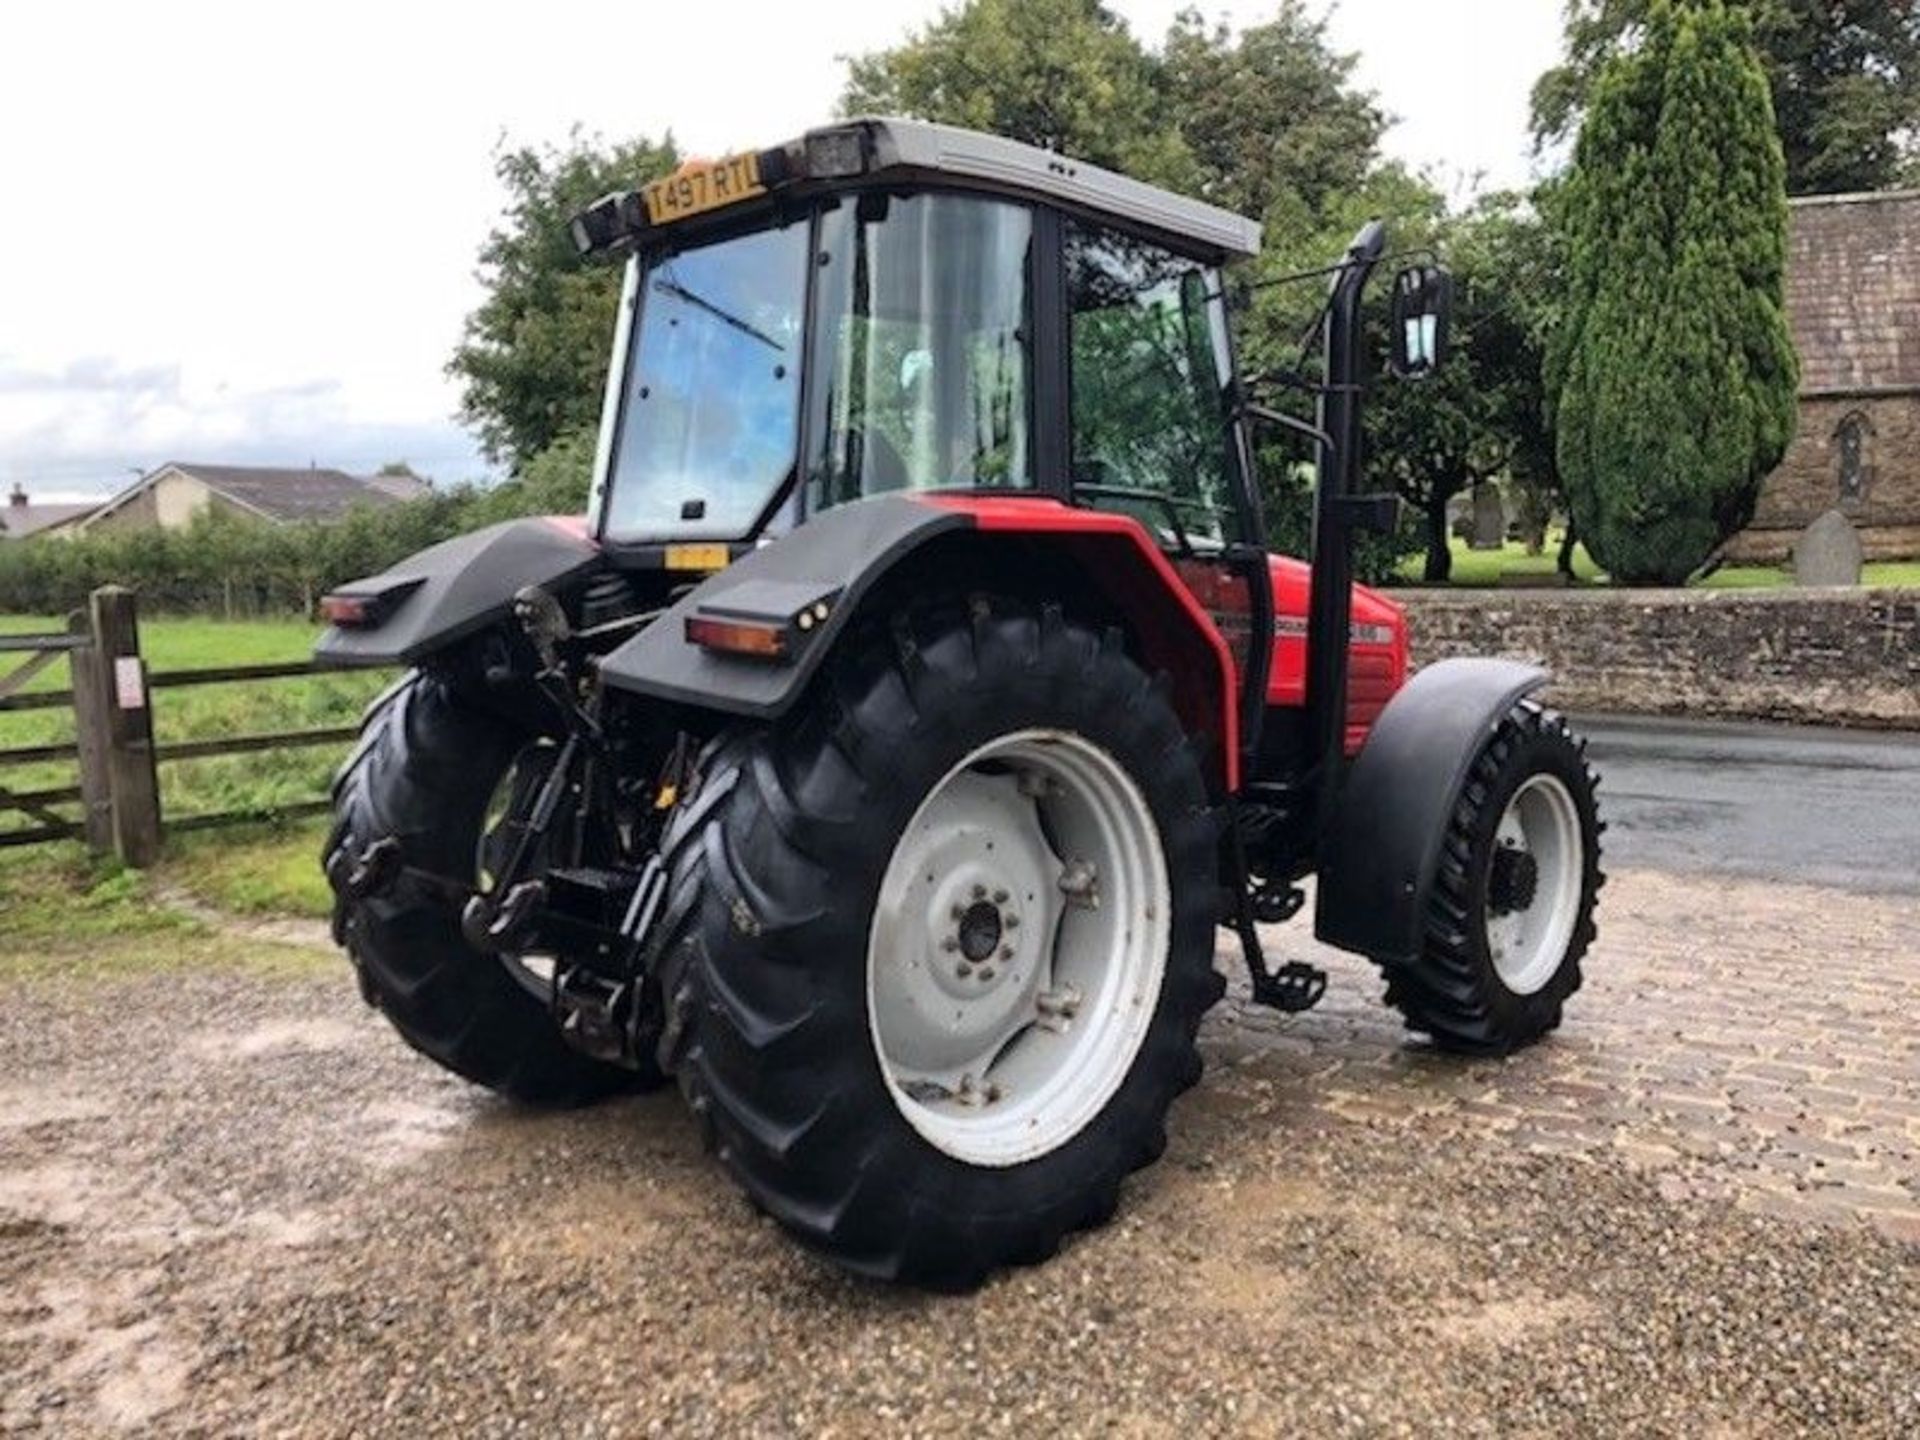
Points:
(926, 149)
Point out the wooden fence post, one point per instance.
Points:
(132, 781)
(90, 733)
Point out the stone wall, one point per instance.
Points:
(1838, 657)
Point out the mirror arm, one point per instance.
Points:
(1288, 422)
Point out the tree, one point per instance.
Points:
(1264, 122)
(1270, 116)
(1482, 417)
(1674, 372)
(534, 356)
(1064, 74)
(1273, 321)
(1845, 77)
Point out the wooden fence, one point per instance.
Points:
(110, 691)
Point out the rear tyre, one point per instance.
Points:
(939, 944)
(1511, 916)
(424, 772)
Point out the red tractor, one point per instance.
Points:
(881, 754)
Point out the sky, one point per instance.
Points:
(246, 232)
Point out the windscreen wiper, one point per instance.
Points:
(726, 317)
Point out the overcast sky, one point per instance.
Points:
(247, 231)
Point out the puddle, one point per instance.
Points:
(405, 1130)
(1518, 1320)
(23, 1109)
(135, 1370)
(141, 1375)
(64, 1196)
(277, 1037)
(287, 1231)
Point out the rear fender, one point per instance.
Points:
(838, 558)
(455, 589)
(1382, 848)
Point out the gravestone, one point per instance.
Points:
(1828, 553)
(1489, 519)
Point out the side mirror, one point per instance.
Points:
(1422, 320)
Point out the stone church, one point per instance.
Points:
(1853, 296)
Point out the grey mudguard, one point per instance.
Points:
(842, 552)
(1382, 849)
(455, 588)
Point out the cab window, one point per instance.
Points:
(1148, 365)
(920, 347)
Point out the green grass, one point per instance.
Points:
(263, 781)
(71, 916)
(255, 871)
(1481, 569)
(1473, 569)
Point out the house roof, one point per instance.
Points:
(274, 493)
(17, 522)
(287, 494)
(1853, 291)
(405, 486)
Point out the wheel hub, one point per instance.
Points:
(980, 931)
(1514, 882)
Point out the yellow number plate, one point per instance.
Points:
(695, 189)
(696, 557)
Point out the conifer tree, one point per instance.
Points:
(1675, 377)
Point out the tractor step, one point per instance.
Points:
(1293, 988)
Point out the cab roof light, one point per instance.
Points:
(836, 154)
(598, 227)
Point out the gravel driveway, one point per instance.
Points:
(235, 1203)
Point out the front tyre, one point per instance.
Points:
(1511, 917)
(944, 942)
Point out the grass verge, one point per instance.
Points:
(66, 914)
(1486, 569)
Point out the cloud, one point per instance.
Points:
(92, 422)
(85, 374)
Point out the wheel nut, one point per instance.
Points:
(979, 892)
(964, 970)
(986, 973)
(1006, 952)
(999, 897)
(1009, 921)
(959, 912)
(950, 944)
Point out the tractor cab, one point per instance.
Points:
(888, 307)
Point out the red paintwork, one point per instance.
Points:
(1123, 546)
(1377, 668)
(575, 527)
(1217, 605)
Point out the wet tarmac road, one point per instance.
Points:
(1820, 807)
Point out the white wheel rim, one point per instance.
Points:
(998, 1054)
(1528, 941)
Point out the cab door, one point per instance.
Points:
(1151, 434)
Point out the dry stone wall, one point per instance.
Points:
(1847, 658)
